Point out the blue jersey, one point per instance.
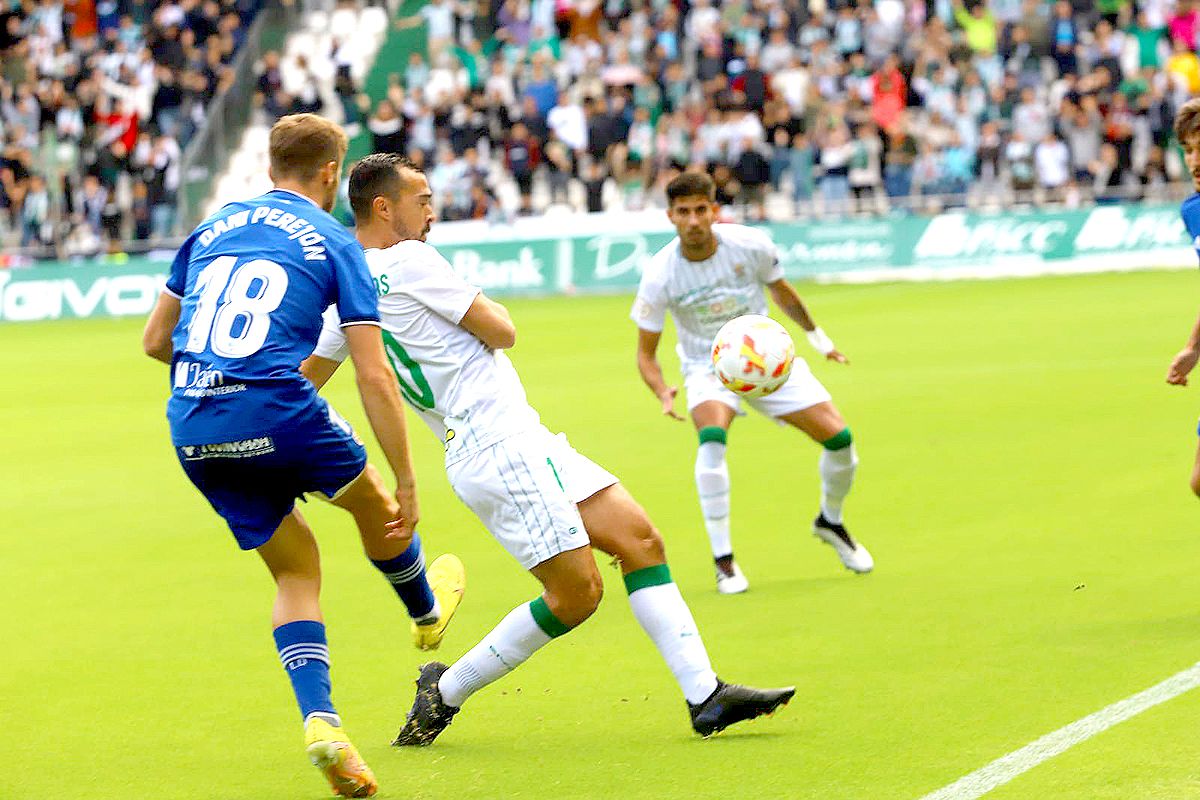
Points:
(1191, 220)
(254, 280)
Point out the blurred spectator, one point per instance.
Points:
(979, 25)
(1182, 23)
(1020, 157)
(753, 172)
(388, 134)
(899, 160)
(1184, 67)
(35, 213)
(1053, 164)
(888, 94)
(593, 186)
(567, 121)
(835, 156)
(96, 103)
(1065, 37)
(866, 167)
(802, 168)
(521, 157)
(438, 17)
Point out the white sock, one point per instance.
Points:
(506, 647)
(837, 475)
(712, 484)
(665, 617)
(433, 616)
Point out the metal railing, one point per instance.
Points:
(228, 115)
(995, 196)
(782, 206)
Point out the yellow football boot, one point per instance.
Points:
(331, 752)
(448, 580)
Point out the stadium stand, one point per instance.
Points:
(97, 102)
(797, 108)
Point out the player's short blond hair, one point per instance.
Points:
(1187, 121)
(303, 143)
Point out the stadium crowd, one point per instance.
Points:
(840, 106)
(97, 101)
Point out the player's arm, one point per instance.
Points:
(319, 370)
(1185, 361)
(355, 321)
(651, 371)
(789, 302)
(490, 322)
(156, 338)
(385, 411)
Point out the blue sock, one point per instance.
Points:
(305, 656)
(406, 573)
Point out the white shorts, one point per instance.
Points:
(525, 488)
(801, 391)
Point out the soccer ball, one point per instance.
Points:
(752, 355)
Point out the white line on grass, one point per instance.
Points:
(1005, 768)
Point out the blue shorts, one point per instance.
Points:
(253, 483)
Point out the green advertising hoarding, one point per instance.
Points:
(954, 243)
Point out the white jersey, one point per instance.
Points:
(704, 295)
(469, 395)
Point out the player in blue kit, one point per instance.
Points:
(241, 309)
(1187, 131)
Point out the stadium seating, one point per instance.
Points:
(797, 108)
(355, 32)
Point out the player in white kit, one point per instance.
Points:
(544, 502)
(710, 274)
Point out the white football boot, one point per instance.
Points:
(852, 554)
(732, 582)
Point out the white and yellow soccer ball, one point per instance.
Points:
(752, 355)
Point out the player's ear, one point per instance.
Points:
(329, 172)
(379, 207)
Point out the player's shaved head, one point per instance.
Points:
(1187, 121)
(377, 175)
(302, 144)
(691, 184)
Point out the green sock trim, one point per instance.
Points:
(648, 576)
(713, 433)
(546, 620)
(840, 441)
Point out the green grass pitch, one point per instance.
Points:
(1022, 488)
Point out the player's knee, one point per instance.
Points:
(648, 544)
(1195, 483)
(297, 572)
(576, 600)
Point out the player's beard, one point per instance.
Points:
(406, 233)
(700, 237)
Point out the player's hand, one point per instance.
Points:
(834, 355)
(1181, 366)
(668, 403)
(406, 518)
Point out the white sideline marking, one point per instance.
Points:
(1005, 768)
